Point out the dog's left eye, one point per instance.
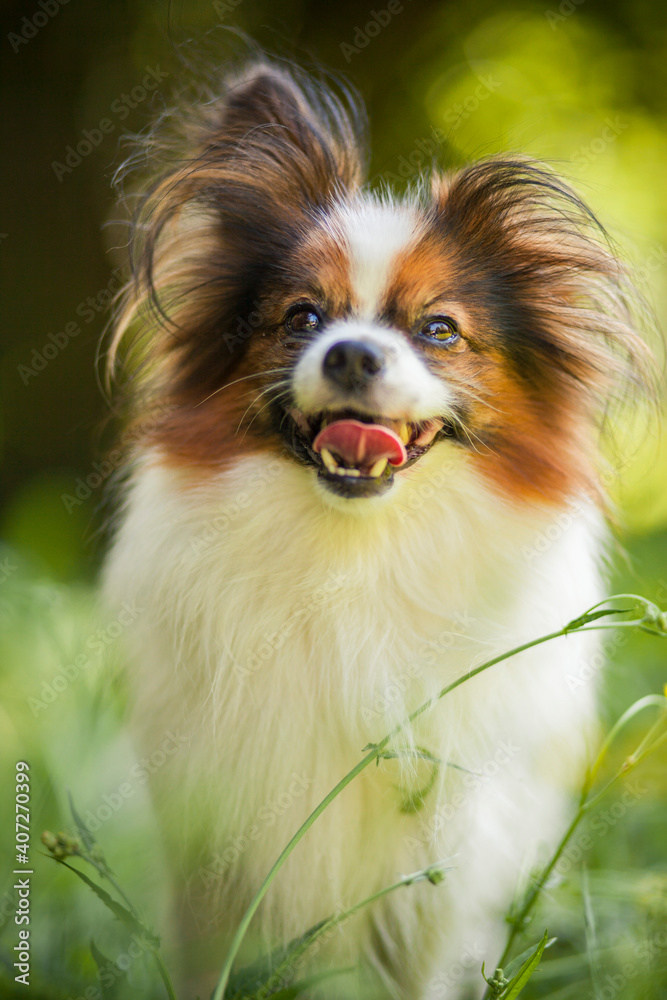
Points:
(302, 319)
(441, 329)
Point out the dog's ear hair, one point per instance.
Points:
(299, 139)
(245, 168)
(576, 313)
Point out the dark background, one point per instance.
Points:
(581, 84)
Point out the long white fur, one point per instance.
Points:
(282, 632)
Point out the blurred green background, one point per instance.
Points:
(581, 84)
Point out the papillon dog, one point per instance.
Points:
(365, 459)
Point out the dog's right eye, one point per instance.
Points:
(302, 319)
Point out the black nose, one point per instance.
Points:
(352, 364)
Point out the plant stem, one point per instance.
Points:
(357, 769)
(164, 974)
(586, 802)
(571, 627)
(518, 921)
(434, 873)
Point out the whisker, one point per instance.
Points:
(465, 390)
(227, 385)
(259, 411)
(269, 388)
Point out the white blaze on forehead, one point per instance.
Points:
(375, 234)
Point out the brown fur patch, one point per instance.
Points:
(238, 231)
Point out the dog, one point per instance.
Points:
(365, 458)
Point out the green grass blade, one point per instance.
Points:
(516, 986)
(126, 917)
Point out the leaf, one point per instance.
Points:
(296, 989)
(84, 832)
(516, 963)
(414, 801)
(592, 616)
(127, 918)
(104, 964)
(253, 978)
(516, 985)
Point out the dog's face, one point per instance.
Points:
(362, 384)
(354, 333)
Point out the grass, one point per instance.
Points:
(605, 900)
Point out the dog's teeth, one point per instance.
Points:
(349, 472)
(328, 460)
(379, 467)
(404, 433)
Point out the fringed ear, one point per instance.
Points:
(574, 314)
(292, 124)
(247, 171)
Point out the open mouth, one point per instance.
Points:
(356, 454)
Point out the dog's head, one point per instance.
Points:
(280, 306)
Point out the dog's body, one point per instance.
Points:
(280, 685)
(297, 604)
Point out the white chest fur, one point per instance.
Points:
(281, 633)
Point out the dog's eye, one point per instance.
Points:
(302, 319)
(442, 330)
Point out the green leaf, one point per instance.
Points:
(127, 918)
(414, 801)
(296, 989)
(104, 964)
(247, 982)
(513, 967)
(592, 616)
(85, 834)
(516, 985)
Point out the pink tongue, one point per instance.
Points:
(361, 444)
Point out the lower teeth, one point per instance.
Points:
(332, 467)
(378, 468)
